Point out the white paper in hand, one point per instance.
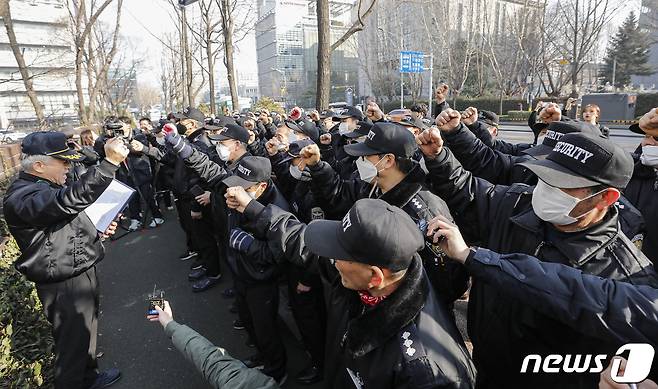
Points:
(106, 208)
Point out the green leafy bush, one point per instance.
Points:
(269, 104)
(26, 359)
(518, 115)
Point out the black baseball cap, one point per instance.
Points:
(307, 128)
(295, 148)
(50, 143)
(393, 237)
(348, 112)
(636, 129)
(385, 138)
(231, 131)
(489, 118)
(555, 131)
(362, 129)
(249, 172)
(581, 160)
(223, 121)
(191, 113)
(409, 121)
(327, 114)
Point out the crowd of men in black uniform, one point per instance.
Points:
(379, 226)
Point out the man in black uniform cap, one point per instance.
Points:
(387, 171)
(60, 248)
(385, 326)
(568, 218)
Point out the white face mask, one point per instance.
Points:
(299, 175)
(223, 151)
(649, 156)
(253, 194)
(344, 128)
(367, 170)
(160, 140)
(552, 205)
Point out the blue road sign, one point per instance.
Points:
(412, 61)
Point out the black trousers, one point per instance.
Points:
(71, 306)
(258, 308)
(136, 203)
(308, 309)
(184, 208)
(205, 242)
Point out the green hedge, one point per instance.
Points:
(26, 359)
(518, 115)
(483, 103)
(645, 102)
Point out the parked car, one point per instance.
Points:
(398, 114)
(11, 135)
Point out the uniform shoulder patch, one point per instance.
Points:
(410, 344)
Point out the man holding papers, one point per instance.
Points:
(60, 247)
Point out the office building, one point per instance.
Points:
(286, 47)
(41, 32)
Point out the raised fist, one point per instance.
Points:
(252, 136)
(310, 155)
(295, 114)
(551, 113)
(440, 93)
(325, 139)
(430, 143)
(373, 112)
(315, 116)
(237, 198)
(470, 116)
(273, 146)
(448, 120)
(137, 145)
(169, 128)
(649, 122)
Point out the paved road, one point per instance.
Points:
(140, 349)
(138, 261)
(517, 133)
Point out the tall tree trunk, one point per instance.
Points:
(227, 25)
(91, 75)
(188, 61)
(575, 54)
(211, 76)
(5, 12)
(82, 112)
(324, 56)
(81, 34)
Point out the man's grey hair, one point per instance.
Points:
(28, 160)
